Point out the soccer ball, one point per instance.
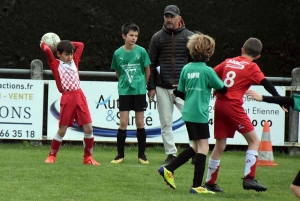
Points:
(51, 39)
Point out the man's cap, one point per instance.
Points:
(172, 9)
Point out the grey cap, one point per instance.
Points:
(172, 9)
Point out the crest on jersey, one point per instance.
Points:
(236, 64)
(130, 73)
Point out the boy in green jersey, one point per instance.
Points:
(195, 84)
(131, 63)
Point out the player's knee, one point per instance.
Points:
(219, 149)
(88, 130)
(252, 139)
(203, 149)
(123, 124)
(292, 187)
(295, 190)
(255, 142)
(220, 146)
(195, 148)
(139, 123)
(62, 131)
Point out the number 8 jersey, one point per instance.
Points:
(238, 74)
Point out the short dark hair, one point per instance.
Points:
(65, 46)
(129, 27)
(253, 47)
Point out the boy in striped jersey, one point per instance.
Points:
(73, 104)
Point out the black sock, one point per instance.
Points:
(121, 137)
(181, 159)
(141, 138)
(199, 168)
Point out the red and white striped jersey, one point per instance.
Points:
(66, 75)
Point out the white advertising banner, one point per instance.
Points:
(102, 98)
(21, 109)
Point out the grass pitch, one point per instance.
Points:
(25, 176)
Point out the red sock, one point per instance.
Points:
(54, 147)
(88, 146)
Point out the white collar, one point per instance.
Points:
(71, 65)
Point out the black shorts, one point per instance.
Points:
(197, 131)
(296, 181)
(136, 103)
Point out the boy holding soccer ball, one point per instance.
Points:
(73, 104)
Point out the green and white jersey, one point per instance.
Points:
(130, 65)
(196, 81)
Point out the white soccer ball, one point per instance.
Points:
(51, 39)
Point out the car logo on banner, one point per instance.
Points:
(104, 108)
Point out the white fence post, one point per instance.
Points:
(36, 68)
(294, 116)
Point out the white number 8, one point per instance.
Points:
(228, 82)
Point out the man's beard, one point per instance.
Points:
(170, 26)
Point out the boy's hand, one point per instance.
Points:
(284, 109)
(254, 95)
(214, 93)
(41, 43)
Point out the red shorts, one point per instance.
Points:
(229, 118)
(73, 106)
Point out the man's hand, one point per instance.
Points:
(151, 94)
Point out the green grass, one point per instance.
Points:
(25, 176)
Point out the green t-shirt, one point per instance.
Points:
(196, 81)
(296, 102)
(130, 65)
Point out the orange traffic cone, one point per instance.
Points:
(265, 151)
